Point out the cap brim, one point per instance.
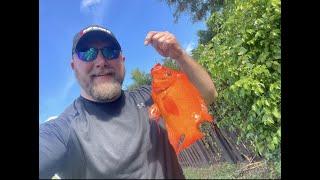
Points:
(97, 36)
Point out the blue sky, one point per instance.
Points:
(129, 20)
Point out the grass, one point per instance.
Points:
(259, 170)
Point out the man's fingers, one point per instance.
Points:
(162, 39)
(149, 36)
(162, 42)
(154, 36)
(155, 40)
(157, 36)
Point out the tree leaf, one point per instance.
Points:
(271, 146)
(242, 51)
(276, 113)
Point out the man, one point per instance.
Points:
(106, 132)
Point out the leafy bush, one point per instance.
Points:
(244, 60)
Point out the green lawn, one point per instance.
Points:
(259, 170)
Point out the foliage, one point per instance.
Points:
(139, 78)
(243, 58)
(197, 9)
(170, 63)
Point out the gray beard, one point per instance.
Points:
(105, 92)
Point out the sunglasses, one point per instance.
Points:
(91, 53)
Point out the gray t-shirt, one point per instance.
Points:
(107, 140)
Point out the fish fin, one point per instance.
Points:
(188, 140)
(170, 106)
(154, 113)
(206, 117)
(173, 137)
(181, 140)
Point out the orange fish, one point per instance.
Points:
(180, 104)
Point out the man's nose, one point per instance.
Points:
(101, 61)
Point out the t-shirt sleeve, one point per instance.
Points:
(53, 142)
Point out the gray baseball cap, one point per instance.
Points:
(94, 32)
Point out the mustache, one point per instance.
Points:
(103, 72)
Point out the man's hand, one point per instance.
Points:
(165, 43)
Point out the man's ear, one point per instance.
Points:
(123, 58)
(72, 64)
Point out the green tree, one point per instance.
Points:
(213, 27)
(170, 63)
(197, 9)
(139, 78)
(244, 59)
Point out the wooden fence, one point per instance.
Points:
(219, 145)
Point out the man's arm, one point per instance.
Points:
(52, 147)
(167, 45)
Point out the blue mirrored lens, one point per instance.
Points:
(88, 54)
(110, 53)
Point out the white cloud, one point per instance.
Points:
(95, 8)
(67, 87)
(51, 118)
(189, 47)
(89, 3)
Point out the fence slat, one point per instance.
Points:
(219, 145)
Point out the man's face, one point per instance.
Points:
(100, 79)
